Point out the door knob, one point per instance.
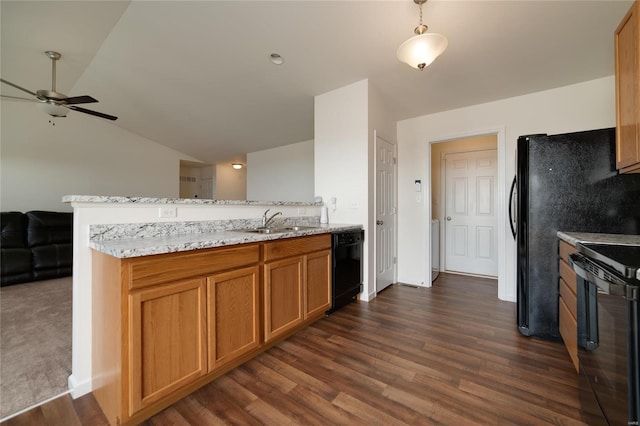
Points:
(448, 218)
(379, 222)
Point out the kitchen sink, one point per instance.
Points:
(299, 228)
(262, 230)
(276, 230)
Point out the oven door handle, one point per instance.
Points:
(580, 262)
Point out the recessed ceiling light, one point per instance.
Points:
(276, 59)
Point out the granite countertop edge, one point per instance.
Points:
(103, 199)
(137, 247)
(574, 238)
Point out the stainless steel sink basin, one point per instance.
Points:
(262, 230)
(299, 228)
(276, 230)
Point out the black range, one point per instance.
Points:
(608, 328)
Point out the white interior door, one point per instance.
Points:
(385, 214)
(471, 224)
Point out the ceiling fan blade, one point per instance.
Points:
(17, 98)
(18, 87)
(88, 111)
(78, 100)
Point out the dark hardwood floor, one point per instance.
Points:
(449, 355)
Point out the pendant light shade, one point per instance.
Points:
(419, 51)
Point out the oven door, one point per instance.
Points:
(606, 356)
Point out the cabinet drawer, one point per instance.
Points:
(151, 270)
(295, 246)
(565, 249)
(567, 274)
(569, 331)
(569, 298)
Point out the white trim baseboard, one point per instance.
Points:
(79, 389)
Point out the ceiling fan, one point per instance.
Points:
(55, 103)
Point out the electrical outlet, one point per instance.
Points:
(167, 212)
(354, 205)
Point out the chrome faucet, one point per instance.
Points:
(266, 221)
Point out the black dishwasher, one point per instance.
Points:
(346, 271)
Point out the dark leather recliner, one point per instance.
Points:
(36, 245)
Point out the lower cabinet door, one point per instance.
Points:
(317, 283)
(283, 303)
(232, 315)
(569, 331)
(167, 340)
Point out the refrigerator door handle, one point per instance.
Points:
(511, 209)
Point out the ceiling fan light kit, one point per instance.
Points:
(422, 49)
(54, 103)
(52, 109)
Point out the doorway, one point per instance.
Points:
(385, 213)
(464, 198)
(470, 224)
(197, 180)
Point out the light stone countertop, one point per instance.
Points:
(135, 247)
(103, 199)
(574, 238)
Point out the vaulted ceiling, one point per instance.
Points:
(195, 75)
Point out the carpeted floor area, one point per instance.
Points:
(35, 342)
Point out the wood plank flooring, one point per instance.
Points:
(449, 355)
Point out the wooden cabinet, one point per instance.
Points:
(165, 325)
(297, 283)
(167, 340)
(627, 48)
(317, 283)
(567, 301)
(232, 315)
(282, 296)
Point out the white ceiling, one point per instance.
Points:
(195, 76)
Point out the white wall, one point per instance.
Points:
(281, 174)
(588, 105)
(231, 184)
(341, 151)
(41, 163)
(345, 122)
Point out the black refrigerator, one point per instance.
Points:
(566, 182)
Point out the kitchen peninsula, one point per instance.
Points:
(178, 302)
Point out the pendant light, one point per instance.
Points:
(419, 51)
